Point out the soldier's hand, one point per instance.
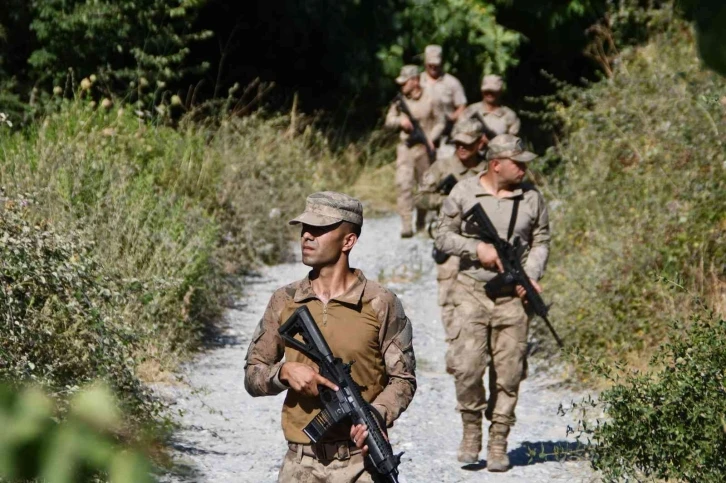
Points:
(358, 434)
(488, 257)
(522, 294)
(303, 378)
(406, 124)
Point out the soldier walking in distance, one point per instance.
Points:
(498, 119)
(446, 88)
(437, 183)
(413, 161)
(492, 332)
(360, 320)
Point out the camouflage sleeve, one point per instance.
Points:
(265, 353)
(393, 117)
(514, 123)
(439, 124)
(427, 197)
(467, 113)
(540, 242)
(459, 94)
(396, 341)
(449, 238)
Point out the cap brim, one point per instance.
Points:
(464, 139)
(314, 219)
(401, 80)
(490, 89)
(523, 157)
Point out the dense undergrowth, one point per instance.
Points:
(122, 235)
(637, 196)
(637, 192)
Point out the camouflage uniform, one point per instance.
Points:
(430, 198)
(501, 120)
(366, 324)
(411, 163)
(485, 331)
(446, 89)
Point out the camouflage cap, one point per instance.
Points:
(467, 131)
(492, 83)
(508, 146)
(433, 54)
(407, 72)
(328, 207)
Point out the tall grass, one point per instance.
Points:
(166, 215)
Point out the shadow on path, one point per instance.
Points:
(531, 453)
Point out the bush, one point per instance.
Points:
(637, 190)
(35, 446)
(59, 311)
(137, 230)
(669, 424)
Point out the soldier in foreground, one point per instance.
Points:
(412, 161)
(497, 118)
(485, 329)
(438, 181)
(360, 320)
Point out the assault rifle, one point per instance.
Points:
(417, 135)
(510, 254)
(447, 184)
(484, 128)
(343, 403)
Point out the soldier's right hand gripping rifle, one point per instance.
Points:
(346, 402)
(417, 135)
(513, 274)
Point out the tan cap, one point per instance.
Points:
(467, 131)
(510, 147)
(492, 83)
(407, 72)
(433, 54)
(328, 207)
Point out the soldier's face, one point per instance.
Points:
(511, 171)
(323, 245)
(490, 97)
(409, 86)
(434, 70)
(466, 152)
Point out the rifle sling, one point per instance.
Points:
(513, 219)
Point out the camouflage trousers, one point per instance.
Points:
(300, 468)
(411, 164)
(446, 279)
(487, 334)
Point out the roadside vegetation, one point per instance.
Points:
(129, 211)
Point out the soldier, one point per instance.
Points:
(484, 328)
(361, 322)
(447, 89)
(412, 162)
(498, 119)
(467, 162)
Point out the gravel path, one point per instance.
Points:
(227, 436)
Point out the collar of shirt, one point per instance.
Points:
(481, 191)
(462, 170)
(498, 112)
(352, 296)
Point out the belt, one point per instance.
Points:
(337, 450)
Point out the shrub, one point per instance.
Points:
(637, 190)
(670, 423)
(59, 311)
(35, 446)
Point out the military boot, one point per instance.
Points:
(471, 441)
(497, 459)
